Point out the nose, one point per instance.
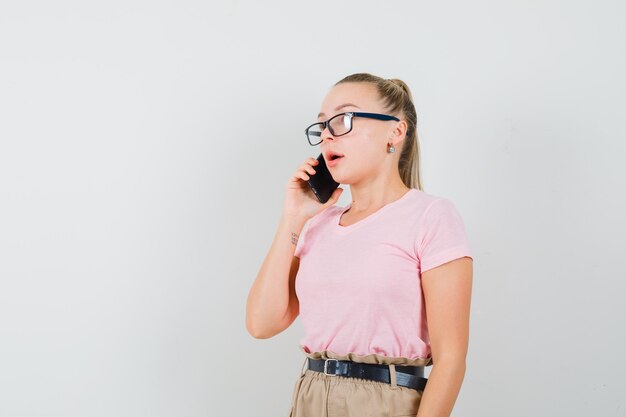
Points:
(326, 134)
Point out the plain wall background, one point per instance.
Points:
(144, 151)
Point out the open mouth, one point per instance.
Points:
(333, 157)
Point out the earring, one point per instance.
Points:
(391, 149)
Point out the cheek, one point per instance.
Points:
(366, 149)
(372, 146)
(374, 137)
(366, 158)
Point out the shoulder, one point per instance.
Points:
(326, 214)
(422, 206)
(321, 218)
(433, 207)
(314, 227)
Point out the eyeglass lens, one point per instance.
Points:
(338, 125)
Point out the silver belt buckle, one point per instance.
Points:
(326, 367)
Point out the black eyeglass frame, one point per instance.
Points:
(352, 115)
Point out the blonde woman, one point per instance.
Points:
(383, 285)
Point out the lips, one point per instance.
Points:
(334, 160)
(332, 155)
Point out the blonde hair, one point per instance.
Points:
(398, 101)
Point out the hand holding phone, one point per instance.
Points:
(322, 183)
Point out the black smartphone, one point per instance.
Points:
(322, 183)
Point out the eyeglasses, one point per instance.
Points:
(339, 125)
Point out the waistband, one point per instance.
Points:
(406, 376)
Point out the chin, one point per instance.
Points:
(341, 179)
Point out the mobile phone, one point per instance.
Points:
(322, 183)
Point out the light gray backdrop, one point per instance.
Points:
(145, 146)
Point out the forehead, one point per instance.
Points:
(363, 95)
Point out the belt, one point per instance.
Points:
(406, 376)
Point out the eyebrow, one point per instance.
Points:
(340, 107)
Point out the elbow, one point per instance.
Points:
(252, 331)
(261, 327)
(259, 335)
(256, 332)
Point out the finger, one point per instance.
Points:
(307, 167)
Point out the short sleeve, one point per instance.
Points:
(300, 242)
(301, 245)
(441, 236)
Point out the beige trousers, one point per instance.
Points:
(318, 395)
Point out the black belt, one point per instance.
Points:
(406, 376)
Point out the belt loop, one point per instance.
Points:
(304, 368)
(392, 376)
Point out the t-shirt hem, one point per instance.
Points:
(448, 255)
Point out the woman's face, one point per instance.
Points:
(365, 146)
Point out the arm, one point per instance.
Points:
(272, 303)
(447, 292)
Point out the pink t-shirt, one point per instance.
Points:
(359, 286)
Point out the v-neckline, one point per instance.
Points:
(339, 229)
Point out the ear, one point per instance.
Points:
(398, 133)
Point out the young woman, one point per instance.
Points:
(383, 285)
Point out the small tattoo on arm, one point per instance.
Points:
(294, 238)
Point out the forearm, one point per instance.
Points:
(269, 297)
(442, 389)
